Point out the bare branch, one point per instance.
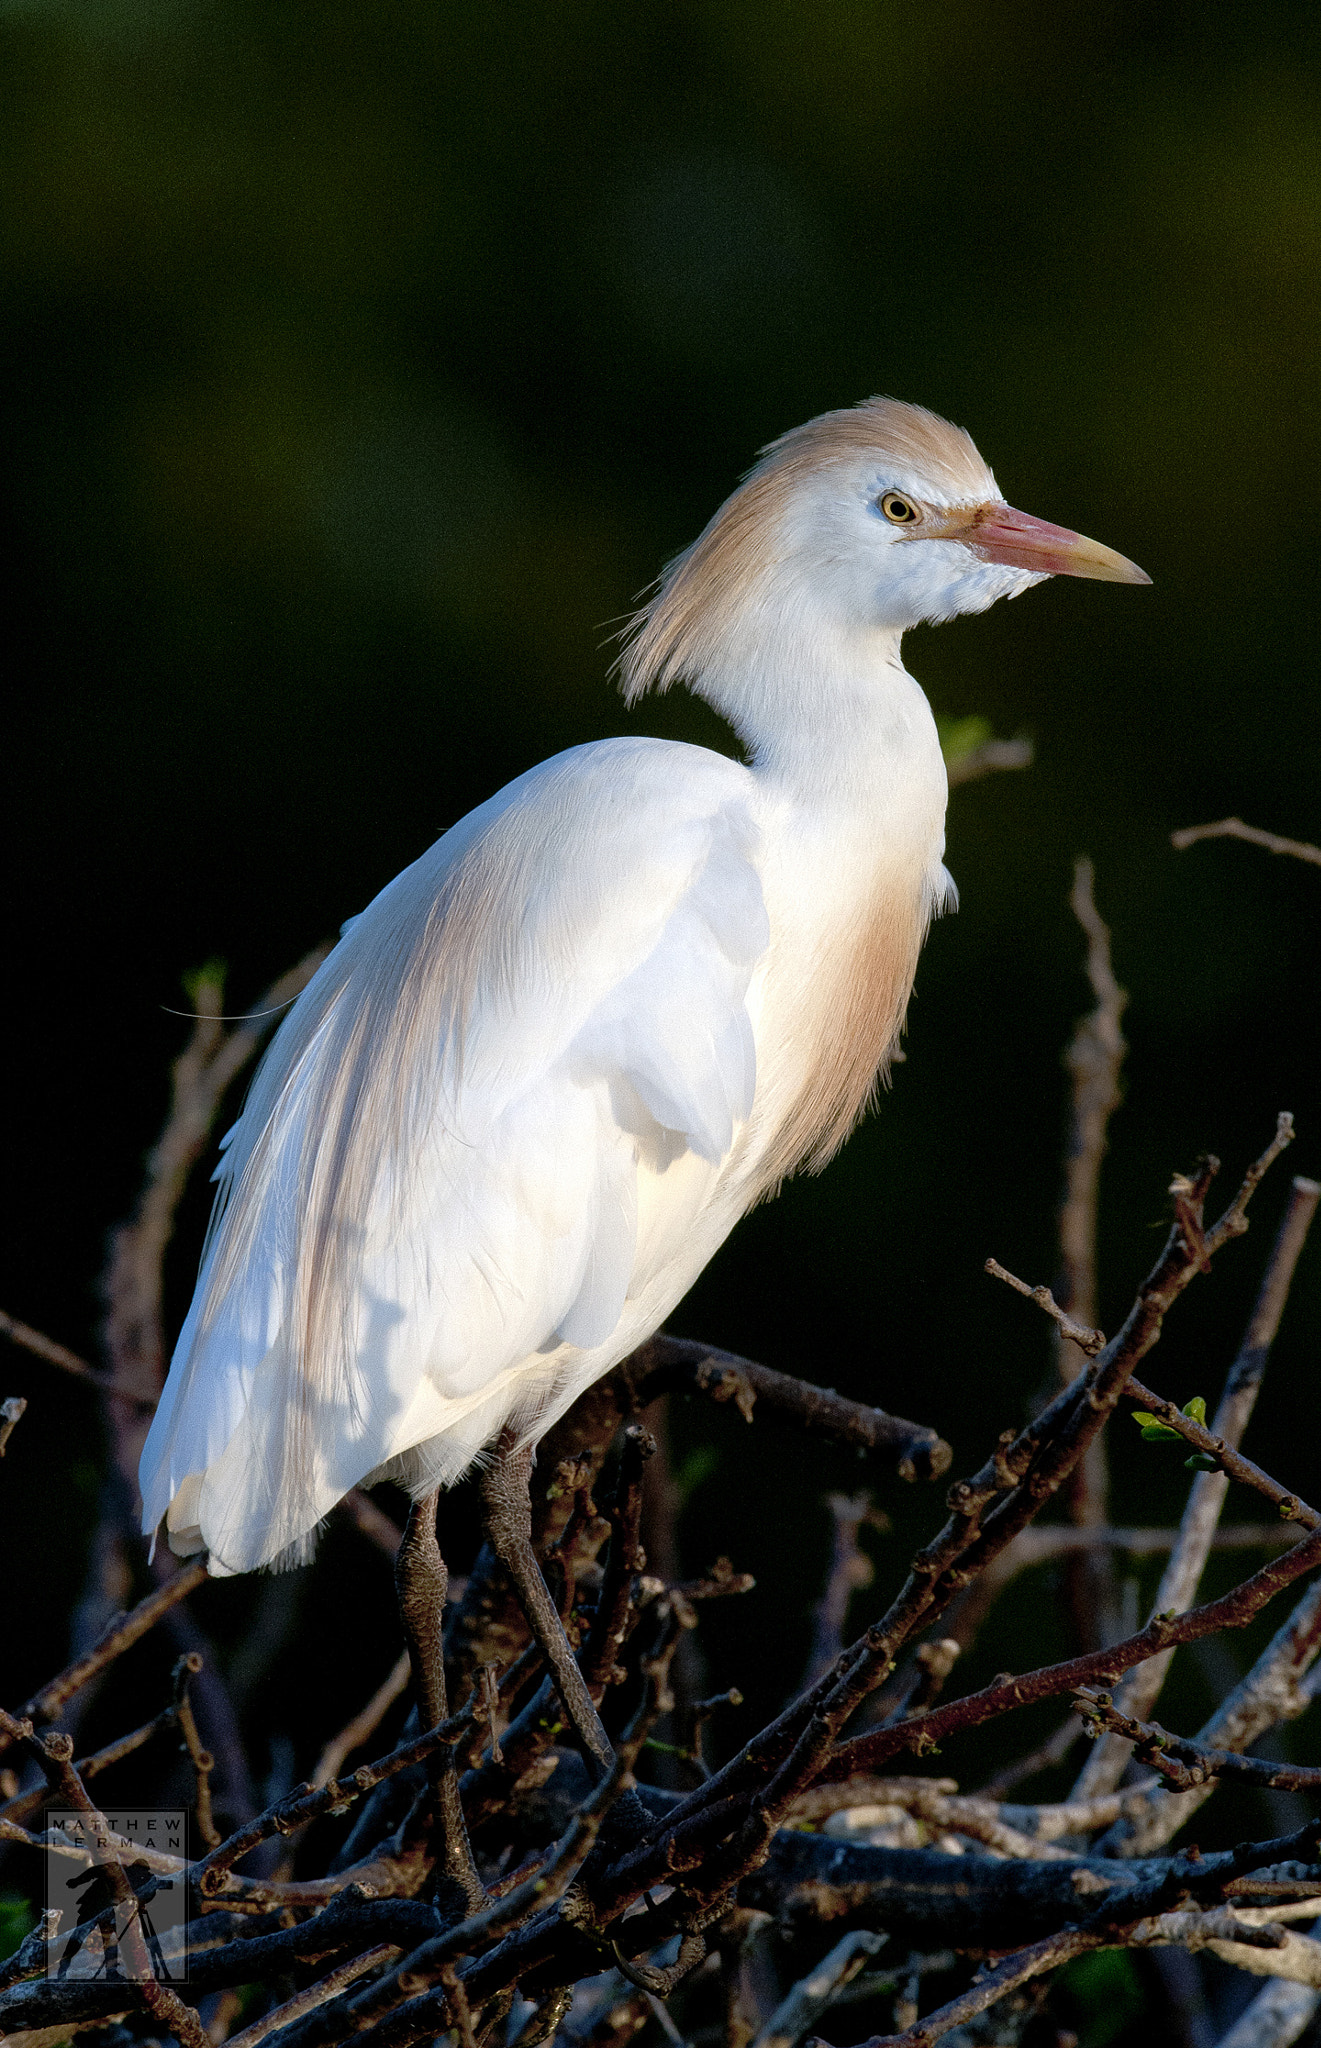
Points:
(401, 2009)
(986, 1513)
(201, 1759)
(363, 1725)
(1094, 1059)
(123, 1631)
(305, 1802)
(1089, 1342)
(810, 1997)
(987, 1990)
(59, 1355)
(850, 1571)
(677, 1364)
(1182, 1576)
(1187, 1765)
(1234, 1221)
(1141, 1917)
(1291, 1507)
(1297, 1957)
(1234, 828)
(923, 1731)
(1276, 2017)
(89, 1767)
(55, 1756)
(1271, 1692)
(1041, 1542)
(305, 2001)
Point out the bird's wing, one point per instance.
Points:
(434, 1181)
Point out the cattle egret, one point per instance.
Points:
(549, 1067)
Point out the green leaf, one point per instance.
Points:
(210, 975)
(699, 1464)
(1153, 1429)
(1106, 1997)
(16, 1919)
(960, 737)
(1200, 1462)
(1195, 1410)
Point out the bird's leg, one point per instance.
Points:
(421, 1584)
(509, 1524)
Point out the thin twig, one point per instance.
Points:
(989, 1988)
(925, 1731)
(305, 1802)
(125, 1630)
(678, 1364)
(1271, 1692)
(987, 1512)
(1234, 828)
(363, 1725)
(1094, 1060)
(201, 1759)
(1042, 1542)
(42, 1346)
(1090, 1342)
(320, 1993)
(809, 1998)
(1187, 1765)
(1291, 1507)
(851, 1570)
(54, 1754)
(88, 1767)
(942, 1812)
(1182, 1575)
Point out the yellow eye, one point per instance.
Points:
(901, 511)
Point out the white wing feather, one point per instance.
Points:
(428, 1211)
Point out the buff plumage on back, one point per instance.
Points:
(677, 635)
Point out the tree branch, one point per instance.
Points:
(1187, 1765)
(1234, 828)
(126, 1629)
(1182, 1575)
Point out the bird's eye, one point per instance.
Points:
(900, 511)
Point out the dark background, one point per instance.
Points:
(360, 364)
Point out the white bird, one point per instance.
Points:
(549, 1067)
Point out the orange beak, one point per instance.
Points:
(997, 533)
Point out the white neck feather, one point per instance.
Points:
(829, 714)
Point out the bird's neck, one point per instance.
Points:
(833, 720)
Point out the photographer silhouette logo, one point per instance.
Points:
(117, 1894)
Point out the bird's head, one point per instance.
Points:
(859, 524)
